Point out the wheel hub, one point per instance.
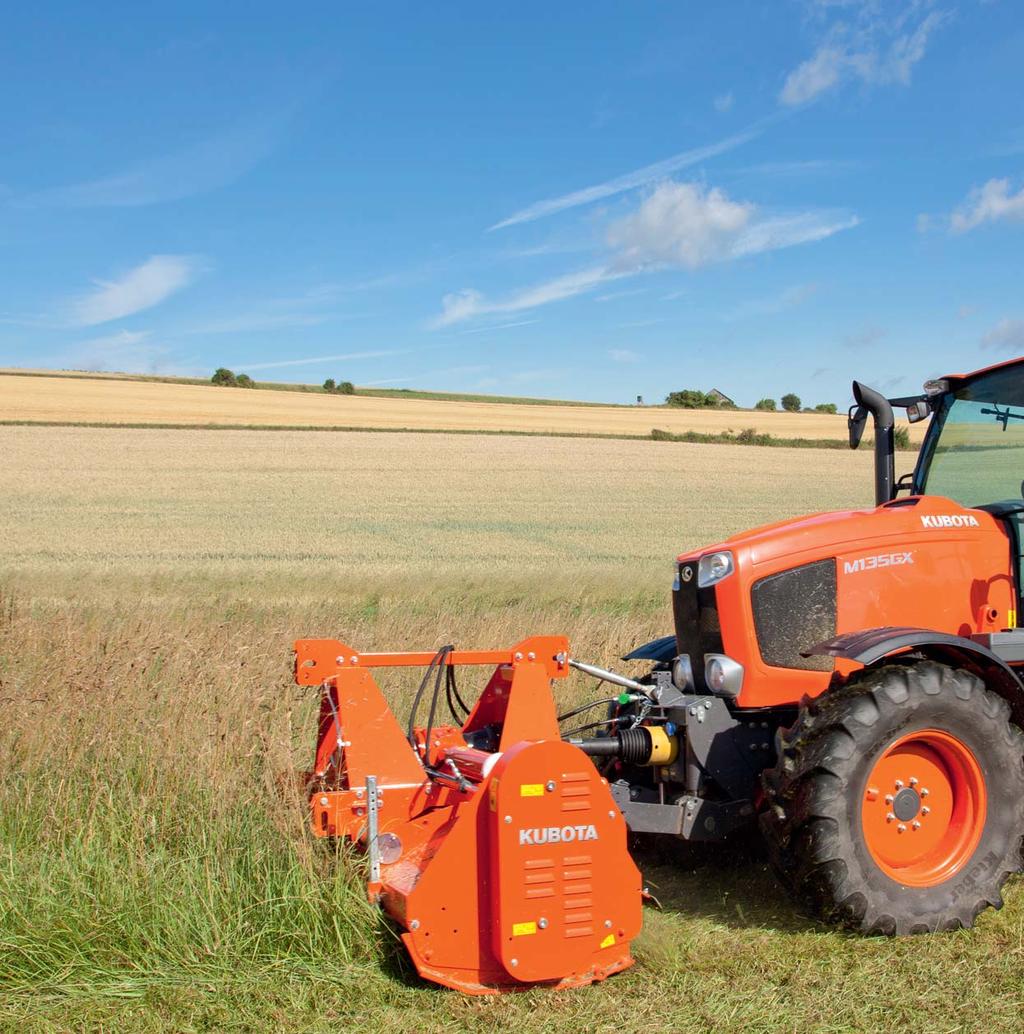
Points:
(906, 804)
(923, 809)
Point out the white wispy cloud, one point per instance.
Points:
(140, 288)
(197, 168)
(468, 303)
(790, 298)
(499, 326)
(689, 225)
(724, 101)
(678, 224)
(311, 360)
(1007, 335)
(623, 355)
(628, 181)
(879, 47)
(990, 203)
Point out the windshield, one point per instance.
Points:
(974, 452)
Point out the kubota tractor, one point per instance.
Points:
(851, 681)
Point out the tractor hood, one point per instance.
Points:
(813, 536)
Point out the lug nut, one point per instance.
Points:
(913, 780)
(926, 810)
(899, 784)
(924, 791)
(889, 798)
(915, 824)
(890, 817)
(901, 828)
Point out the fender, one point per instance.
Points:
(662, 649)
(871, 645)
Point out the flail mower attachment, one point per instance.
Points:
(495, 845)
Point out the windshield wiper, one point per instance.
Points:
(1003, 416)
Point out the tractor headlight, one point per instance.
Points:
(723, 675)
(682, 673)
(713, 567)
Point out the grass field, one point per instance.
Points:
(155, 873)
(119, 401)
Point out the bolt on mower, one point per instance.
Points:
(848, 683)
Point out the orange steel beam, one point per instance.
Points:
(317, 659)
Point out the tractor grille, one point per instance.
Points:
(696, 618)
(793, 611)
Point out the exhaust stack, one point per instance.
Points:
(870, 401)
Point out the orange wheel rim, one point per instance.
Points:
(923, 808)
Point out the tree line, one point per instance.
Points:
(229, 379)
(691, 398)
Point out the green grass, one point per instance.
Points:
(155, 874)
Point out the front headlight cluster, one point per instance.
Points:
(713, 567)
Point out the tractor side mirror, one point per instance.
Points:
(856, 420)
(918, 411)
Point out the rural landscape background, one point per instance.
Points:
(156, 872)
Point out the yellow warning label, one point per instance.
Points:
(608, 941)
(1011, 618)
(531, 790)
(521, 929)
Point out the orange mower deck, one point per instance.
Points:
(504, 868)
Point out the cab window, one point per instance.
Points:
(974, 453)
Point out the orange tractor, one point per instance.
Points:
(849, 681)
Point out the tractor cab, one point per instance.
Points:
(973, 452)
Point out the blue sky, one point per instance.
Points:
(589, 201)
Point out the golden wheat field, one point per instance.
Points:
(156, 874)
(84, 400)
(340, 506)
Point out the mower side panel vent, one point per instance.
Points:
(565, 893)
(793, 609)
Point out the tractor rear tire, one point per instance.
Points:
(897, 802)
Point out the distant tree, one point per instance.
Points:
(222, 375)
(826, 407)
(346, 388)
(768, 405)
(901, 438)
(791, 403)
(330, 386)
(689, 398)
(243, 380)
